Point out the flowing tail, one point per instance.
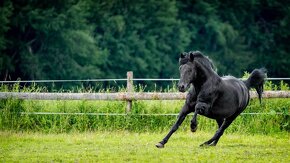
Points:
(256, 80)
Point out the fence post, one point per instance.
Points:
(130, 89)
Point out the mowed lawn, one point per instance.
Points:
(140, 147)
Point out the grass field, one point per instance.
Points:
(125, 146)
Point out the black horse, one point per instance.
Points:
(219, 98)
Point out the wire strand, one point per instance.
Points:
(123, 114)
(106, 80)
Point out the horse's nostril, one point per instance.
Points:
(181, 87)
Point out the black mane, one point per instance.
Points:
(199, 57)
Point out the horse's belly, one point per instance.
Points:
(225, 107)
(219, 112)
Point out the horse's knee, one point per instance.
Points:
(202, 108)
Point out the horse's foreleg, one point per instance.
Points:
(200, 108)
(193, 124)
(183, 113)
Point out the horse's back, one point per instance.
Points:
(233, 97)
(236, 88)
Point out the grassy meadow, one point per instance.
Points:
(122, 146)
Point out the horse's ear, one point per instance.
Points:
(191, 57)
(182, 55)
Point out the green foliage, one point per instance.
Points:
(5, 59)
(103, 39)
(5, 13)
(51, 41)
(135, 44)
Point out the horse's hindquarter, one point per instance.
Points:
(233, 98)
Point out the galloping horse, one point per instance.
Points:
(215, 97)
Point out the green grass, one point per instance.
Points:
(122, 146)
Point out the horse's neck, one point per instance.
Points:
(206, 76)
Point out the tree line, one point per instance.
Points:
(82, 39)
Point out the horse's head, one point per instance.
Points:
(187, 71)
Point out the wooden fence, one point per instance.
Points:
(127, 96)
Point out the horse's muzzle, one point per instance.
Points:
(182, 88)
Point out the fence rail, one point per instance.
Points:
(124, 96)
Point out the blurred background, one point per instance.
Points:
(91, 39)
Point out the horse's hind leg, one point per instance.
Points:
(214, 140)
(219, 122)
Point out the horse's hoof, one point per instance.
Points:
(193, 129)
(204, 145)
(207, 145)
(159, 145)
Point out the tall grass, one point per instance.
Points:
(145, 116)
